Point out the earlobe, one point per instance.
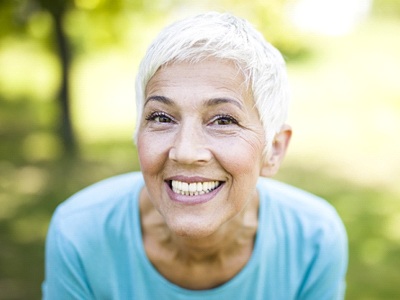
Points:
(274, 159)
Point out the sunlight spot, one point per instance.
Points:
(103, 97)
(27, 71)
(31, 180)
(330, 17)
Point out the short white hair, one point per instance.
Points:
(224, 36)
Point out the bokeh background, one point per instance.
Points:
(67, 70)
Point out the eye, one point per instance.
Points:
(159, 117)
(224, 120)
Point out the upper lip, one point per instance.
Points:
(190, 179)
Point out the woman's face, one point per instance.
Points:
(200, 145)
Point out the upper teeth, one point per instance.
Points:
(194, 188)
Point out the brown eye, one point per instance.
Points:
(162, 119)
(224, 120)
(159, 117)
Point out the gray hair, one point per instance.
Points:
(224, 36)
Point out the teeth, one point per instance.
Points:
(195, 188)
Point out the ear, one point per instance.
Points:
(275, 157)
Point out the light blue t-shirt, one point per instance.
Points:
(94, 249)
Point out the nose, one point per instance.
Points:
(190, 145)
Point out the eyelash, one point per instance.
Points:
(154, 115)
(229, 118)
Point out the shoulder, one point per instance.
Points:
(292, 198)
(102, 193)
(98, 204)
(307, 234)
(299, 211)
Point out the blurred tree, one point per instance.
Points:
(16, 17)
(58, 9)
(82, 26)
(101, 20)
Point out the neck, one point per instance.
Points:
(231, 237)
(188, 261)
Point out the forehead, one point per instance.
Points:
(210, 76)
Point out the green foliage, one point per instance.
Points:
(387, 8)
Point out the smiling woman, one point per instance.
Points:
(208, 110)
(201, 220)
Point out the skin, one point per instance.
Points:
(199, 124)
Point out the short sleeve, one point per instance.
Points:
(325, 279)
(64, 273)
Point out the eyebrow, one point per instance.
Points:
(217, 101)
(209, 102)
(161, 99)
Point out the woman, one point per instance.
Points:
(201, 220)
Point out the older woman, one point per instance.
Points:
(201, 220)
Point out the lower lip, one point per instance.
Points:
(192, 200)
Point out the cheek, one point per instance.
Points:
(152, 153)
(244, 153)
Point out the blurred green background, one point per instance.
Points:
(67, 70)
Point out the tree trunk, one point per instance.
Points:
(66, 128)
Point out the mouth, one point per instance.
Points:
(193, 188)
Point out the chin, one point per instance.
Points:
(192, 230)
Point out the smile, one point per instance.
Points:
(194, 188)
